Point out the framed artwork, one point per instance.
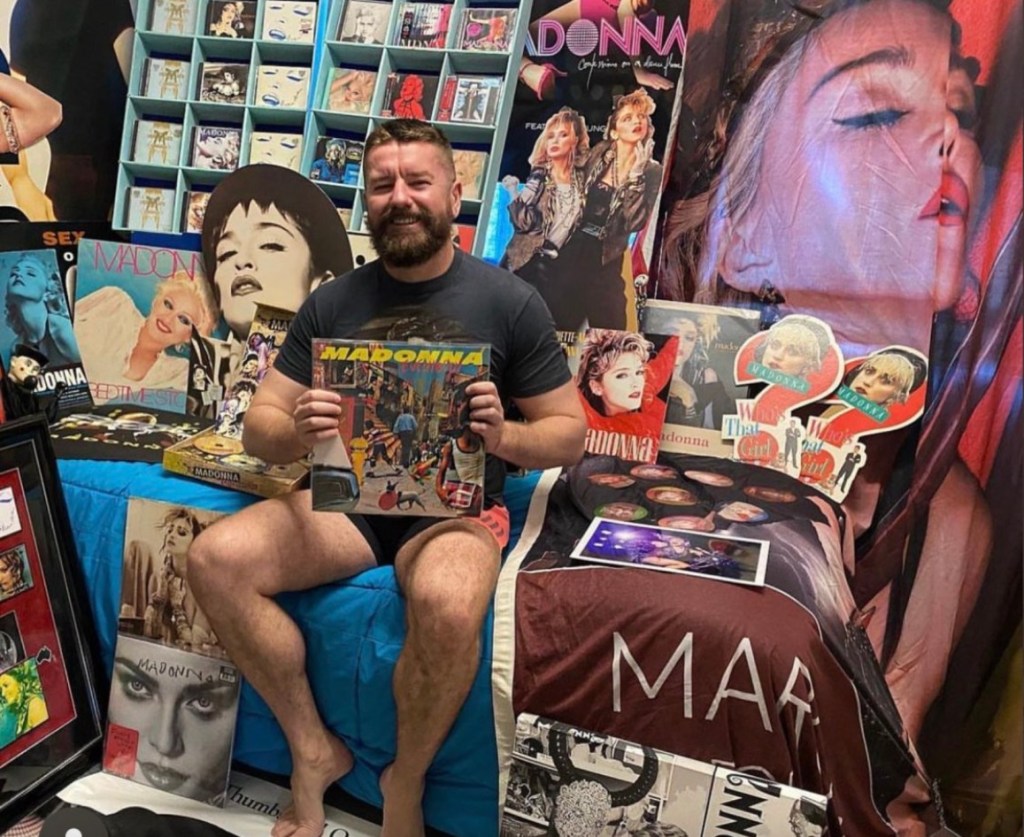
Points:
(51, 688)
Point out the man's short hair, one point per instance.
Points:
(404, 131)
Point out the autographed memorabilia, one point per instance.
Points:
(50, 711)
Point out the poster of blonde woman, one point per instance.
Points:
(582, 171)
(137, 308)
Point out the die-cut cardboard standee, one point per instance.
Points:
(879, 393)
(800, 361)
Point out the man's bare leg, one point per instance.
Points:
(447, 574)
(234, 569)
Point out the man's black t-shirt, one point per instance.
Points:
(472, 302)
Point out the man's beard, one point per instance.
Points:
(408, 248)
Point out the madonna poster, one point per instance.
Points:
(860, 162)
(584, 159)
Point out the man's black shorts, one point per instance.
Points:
(387, 534)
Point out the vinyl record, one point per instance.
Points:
(218, 445)
(74, 821)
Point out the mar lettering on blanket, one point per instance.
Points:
(794, 705)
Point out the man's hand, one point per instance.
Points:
(486, 414)
(316, 416)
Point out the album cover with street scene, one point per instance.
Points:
(614, 539)
(568, 780)
(404, 444)
(171, 719)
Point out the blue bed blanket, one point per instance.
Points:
(354, 631)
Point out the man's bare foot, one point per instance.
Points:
(310, 778)
(403, 805)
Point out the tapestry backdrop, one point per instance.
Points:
(861, 162)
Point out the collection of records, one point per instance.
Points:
(278, 20)
(427, 25)
(567, 780)
(174, 692)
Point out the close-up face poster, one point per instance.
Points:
(860, 162)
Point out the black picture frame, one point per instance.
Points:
(55, 631)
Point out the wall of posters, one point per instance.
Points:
(818, 172)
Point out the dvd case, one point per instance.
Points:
(350, 90)
(365, 22)
(409, 95)
(223, 83)
(165, 78)
(156, 143)
(703, 389)
(423, 25)
(173, 17)
(195, 210)
(404, 445)
(150, 208)
(279, 148)
(280, 86)
(491, 30)
(289, 20)
(216, 148)
(470, 99)
(470, 170)
(337, 160)
(231, 18)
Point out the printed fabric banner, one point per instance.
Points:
(860, 162)
(583, 165)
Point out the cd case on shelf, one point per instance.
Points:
(156, 143)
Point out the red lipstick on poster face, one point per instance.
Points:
(950, 203)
